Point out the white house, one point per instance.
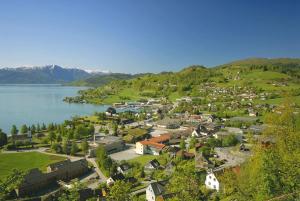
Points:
(153, 164)
(124, 169)
(152, 146)
(154, 190)
(200, 131)
(111, 180)
(211, 181)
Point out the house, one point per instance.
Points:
(169, 168)
(200, 131)
(201, 162)
(110, 111)
(35, 180)
(257, 129)
(211, 181)
(185, 155)
(168, 123)
(153, 145)
(24, 138)
(68, 169)
(111, 180)
(154, 190)
(124, 168)
(173, 151)
(152, 165)
(252, 113)
(111, 144)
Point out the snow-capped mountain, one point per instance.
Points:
(48, 74)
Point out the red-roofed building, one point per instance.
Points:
(152, 146)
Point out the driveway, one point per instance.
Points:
(124, 155)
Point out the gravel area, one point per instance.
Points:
(157, 132)
(124, 155)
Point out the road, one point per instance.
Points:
(103, 178)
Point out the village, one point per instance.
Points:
(143, 147)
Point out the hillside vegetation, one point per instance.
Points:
(275, 77)
(102, 79)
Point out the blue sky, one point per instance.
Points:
(146, 35)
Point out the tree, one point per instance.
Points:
(3, 138)
(24, 129)
(59, 138)
(72, 194)
(182, 144)
(11, 182)
(44, 127)
(56, 148)
(101, 116)
(84, 147)
(273, 170)
(74, 148)
(115, 129)
(51, 136)
(193, 142)
(120, 191)
(66, 147)
(33, 129)
(38, 128)
(80, 131)
(185, 174)
(14, 130)
(229, 140)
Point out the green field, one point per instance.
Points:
(144, 159)
(25, 161)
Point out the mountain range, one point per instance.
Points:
(49, 74)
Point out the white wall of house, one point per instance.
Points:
(110, 181)
(150, 196)
(195, 134)
(139, 148)
(211, 182)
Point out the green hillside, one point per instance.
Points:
(275, 77)
(102, 79)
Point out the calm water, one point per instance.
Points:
(32, 104)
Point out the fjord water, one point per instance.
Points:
(32, 104)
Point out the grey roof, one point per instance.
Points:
(158, 188)
(69, 164)
(154, 163)
(125, 167)
(118, 176)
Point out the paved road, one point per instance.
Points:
(103, 178)
(139, 191)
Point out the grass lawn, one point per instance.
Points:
(143, 159)
(25, 161)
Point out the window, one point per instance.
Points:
(209, 183)
(215, 187)
(210, 177)
(214, 179)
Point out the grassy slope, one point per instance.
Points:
(279, 70)
(25, 161)
(144, 159)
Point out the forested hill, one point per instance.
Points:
(276, 76)
(102, 79)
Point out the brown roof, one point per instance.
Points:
(161, 138)
(156, 141)
(153, 144)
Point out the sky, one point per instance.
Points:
(137, 36)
